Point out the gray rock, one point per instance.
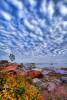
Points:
(36, 81)
(50, 86)
(63, 79)
(40, 84)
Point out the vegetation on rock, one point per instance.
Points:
(21, 66)
(32, 65)
(29, 79)
(15, 87)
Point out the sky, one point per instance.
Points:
(34, 30)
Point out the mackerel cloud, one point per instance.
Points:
(33, 27)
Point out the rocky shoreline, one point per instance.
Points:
(52, 83)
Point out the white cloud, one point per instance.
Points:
(32, 2)
(50, 9)
(38, 31)
(28, 24)
(33, 35)
(65, 23)
(63, 10)
(6, 15)
(17, 3)
(43, 7)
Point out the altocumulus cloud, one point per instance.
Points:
(33, 27)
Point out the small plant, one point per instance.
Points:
(8, 90)
(2, 81)
(29, 80)
(32, 65)
(19, 90)
(32, 98)
(23, 98)
(21, 66)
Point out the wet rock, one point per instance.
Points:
(41, 85)
(35, 74)
(63, 79)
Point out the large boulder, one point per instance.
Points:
(35, 74)
(39, 83)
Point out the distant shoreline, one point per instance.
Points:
(55, 65)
